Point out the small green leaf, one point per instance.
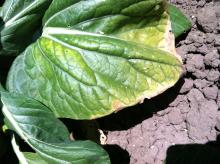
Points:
(48, 136)
(180, 23)
(18, 21)
(4, 128)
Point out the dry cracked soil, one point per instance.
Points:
(181, 125)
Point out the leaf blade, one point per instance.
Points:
(55, 147)
(76, 69)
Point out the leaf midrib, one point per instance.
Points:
(10, 21)
(48, 32)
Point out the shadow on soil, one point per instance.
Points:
(132, 116)
(181, 38)
(208, 153)
(117, 154)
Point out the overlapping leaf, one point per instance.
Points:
(37, 125)
(18, 21)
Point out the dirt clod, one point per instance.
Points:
(217, 40)
(213, 75)
(187, 86)
(211, 92)
(175, 117)
(200, 84)
(212, 59)
(206, 19)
